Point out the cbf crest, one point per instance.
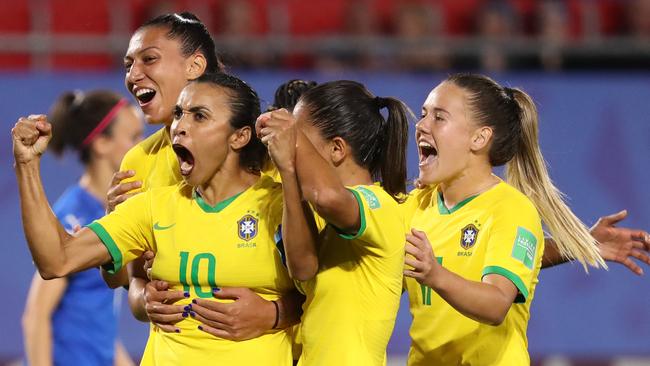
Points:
(468, 236)
(247, 227)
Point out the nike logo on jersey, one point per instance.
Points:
(157, 226)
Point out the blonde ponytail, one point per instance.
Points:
(527, 172)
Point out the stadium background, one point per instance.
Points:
(585, 62)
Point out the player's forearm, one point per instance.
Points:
(43, 231)
(321, 186)
(290, 307)
(136, 298)
(298, 232)
(480, 301)
(552, 256)
(116, 280)
(37, 333)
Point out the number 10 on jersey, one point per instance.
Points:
(210, 262)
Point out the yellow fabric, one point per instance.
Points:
(352, 301)
(199, 247)
(501, 230)
(154, 162)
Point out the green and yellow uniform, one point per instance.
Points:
(496, 232)
(352, 301)
(199, 247)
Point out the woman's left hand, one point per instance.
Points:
(277, 130)
(420, 256)
(247, 316)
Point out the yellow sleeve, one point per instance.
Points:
(515, 247)
(379, 215)
(409, 206)
(126, 232)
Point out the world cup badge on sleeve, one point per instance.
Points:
(247, 227)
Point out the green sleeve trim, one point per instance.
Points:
(362, 217)
(522, 296)
(113, 250)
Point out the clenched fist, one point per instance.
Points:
(30, 137)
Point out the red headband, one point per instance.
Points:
(104, 122)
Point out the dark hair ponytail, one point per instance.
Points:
(393, 161)
(348, 110)
(192, 34)
(75, 115)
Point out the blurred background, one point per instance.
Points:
(585, 62)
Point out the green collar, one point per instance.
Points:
(216, 208)
(443, 210)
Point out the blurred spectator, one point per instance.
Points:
(360, 26)
(239, 26)
(498, 23)
(553, 25)
(416, 26)
(639, 19)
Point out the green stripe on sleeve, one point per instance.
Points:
(362, 217)
(516, 280)
(113, 250)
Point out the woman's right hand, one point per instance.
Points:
(30, 137)
(119, 192)
(159, 306)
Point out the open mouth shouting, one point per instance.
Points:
(144, 95)
(428, 153)
(185, 159)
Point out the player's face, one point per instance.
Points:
(201, 133)
(155, 72)
(443, 135)
(126, 131)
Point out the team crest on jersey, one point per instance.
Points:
(468, 236)
(247, 227)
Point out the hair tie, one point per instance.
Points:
(509, 93)
(101, 126)
(381, 102)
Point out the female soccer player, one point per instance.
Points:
(353, 279)
(163, 55)
(71, 320)
(477, 242)
(219, 227)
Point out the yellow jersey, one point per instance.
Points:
(496, 232)
(352, 301)
(154, 162)
(199, 247)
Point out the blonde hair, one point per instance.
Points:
(512, 115)
(528, 173)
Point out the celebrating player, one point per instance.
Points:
(476, 248)
(71, 320)
(353, 279)
(220, 226)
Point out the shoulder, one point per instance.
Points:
(150, 146)
(507, 197)
(508, 203)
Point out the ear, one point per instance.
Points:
(481, 138)
(240, 138)
(338, 150)
(195, 66)
(101, 146)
